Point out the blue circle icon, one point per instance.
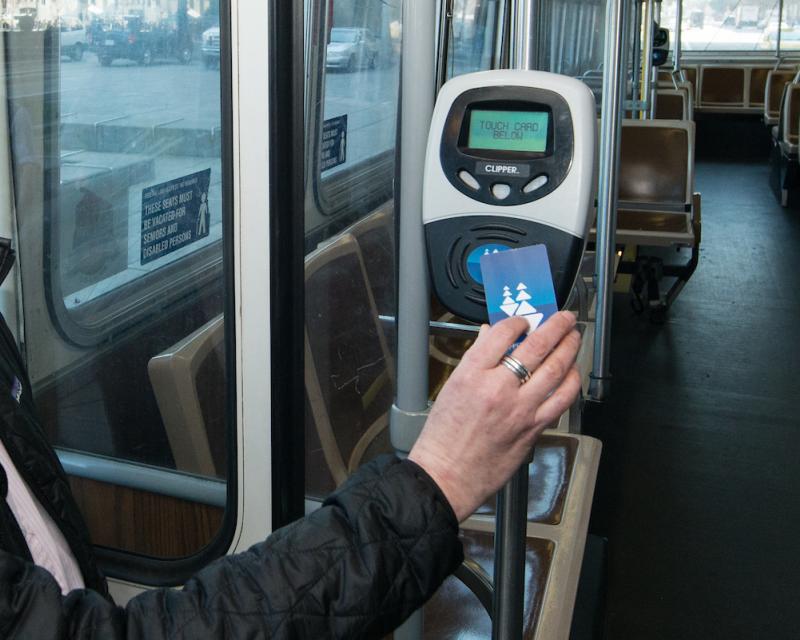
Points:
(474, 259)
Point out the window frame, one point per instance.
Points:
(340, 199)
(169, 572)
(111, 313)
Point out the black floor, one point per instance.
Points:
(699, 491)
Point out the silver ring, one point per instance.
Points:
(517, 368)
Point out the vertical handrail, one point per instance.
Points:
(418, 82)
(413, 309)
(625, 58)
(511, 518)
(511, 527)
(647, 60)
(503, 60)
(524, 46)
(636, 64)
(780, 24)
(676, 47)
(600, 379)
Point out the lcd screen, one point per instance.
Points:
(508, 130)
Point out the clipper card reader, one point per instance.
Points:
(509, 163)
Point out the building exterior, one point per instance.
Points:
(151, 10)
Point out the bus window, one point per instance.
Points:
(350, 238)
(473, 34)
(749, 25)
(572, 37)
(116, 140)
(355, 125)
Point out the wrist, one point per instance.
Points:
(440, 472)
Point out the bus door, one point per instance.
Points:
(136, 192)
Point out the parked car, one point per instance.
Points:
(351, 48)
(210, 47)
(73, 37)
(133, 39)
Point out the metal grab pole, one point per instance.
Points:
(505, 19)
(511, 519)
(523, 43)
(511, 526)
(676, 47)
(418, 78)
(600, 379)
(626, 81)
(780, 24)
(647, 58)
(636, 65)
(418, 82)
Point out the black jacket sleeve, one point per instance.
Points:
(356, 568)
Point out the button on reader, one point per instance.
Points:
(537, 183)
(501, 190)
(468, 179)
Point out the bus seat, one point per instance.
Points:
(656, 183)
(672, 104)
(554, 556)
(375, 238)
(686, 87)
(548, 479)
(785, 172)
(455, 612)
(722, 86)
(777, 129)
(657, 204)
(668, 80)
(376, 241)
(790, 119)
(773, 92)
(656, 164)
(758, 85)
(690, 75)
(174, 376)
(349, 392)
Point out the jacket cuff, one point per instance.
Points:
(422, 475)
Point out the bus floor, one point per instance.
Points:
(699, 486)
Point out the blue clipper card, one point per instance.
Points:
(518, 282)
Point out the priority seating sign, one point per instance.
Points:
(174, 214)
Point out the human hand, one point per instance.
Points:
(484, 423)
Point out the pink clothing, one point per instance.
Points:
(48, 547)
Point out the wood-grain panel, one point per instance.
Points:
(143, 522)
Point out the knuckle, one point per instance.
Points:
(568, 319)
(509, 329)
(554, 368)
(492, 396)
(538, 346)
(572, 387)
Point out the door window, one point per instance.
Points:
(117, 146)
(350, 238)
